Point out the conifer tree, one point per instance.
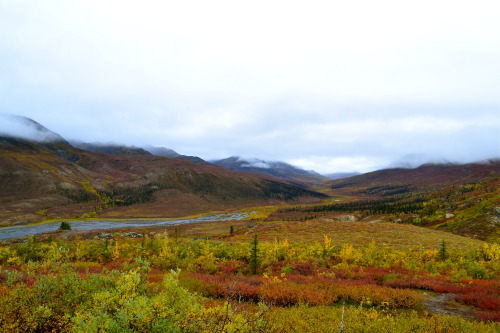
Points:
(254, 255)
(442, 252)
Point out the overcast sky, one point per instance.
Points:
(326, 85)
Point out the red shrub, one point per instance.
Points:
(426, 283)
(224, 286)
(304, 268)
(116, 265)
(482, 301)
(94, 269)
(242, 290)
(339, 273)
(291, 293)
(478, 287)
(379, 274)
(155, 278)
(297, 288)
(487, 316)
(230, 267)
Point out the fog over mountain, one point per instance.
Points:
(329, 86)
(342, 175)
(110, 148)
(161, 151)
(271, 168)
(415, 160)
(23, 127)
(27, 128)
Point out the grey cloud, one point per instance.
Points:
(343, 87)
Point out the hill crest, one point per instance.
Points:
(280, 170)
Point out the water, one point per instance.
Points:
(26, 230)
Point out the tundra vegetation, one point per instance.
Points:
(471, 210)
(249, 280)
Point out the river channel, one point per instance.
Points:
(32, 229)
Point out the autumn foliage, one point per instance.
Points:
(159, 282)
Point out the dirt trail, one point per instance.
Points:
(445, 304)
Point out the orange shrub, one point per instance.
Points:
(291, 293)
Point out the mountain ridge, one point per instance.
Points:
(276, 169)
(426, 177)
(112, 149)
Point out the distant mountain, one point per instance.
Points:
(413, 161)
(426, 177)
(115, 149)
(41, 180)
(167, 152)
(161, 151)
(14, 126)
(193, 159)
(459, 198)
(275, 169)
(112, 149)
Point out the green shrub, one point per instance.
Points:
(476, 271)
(128, 307)
(49, 305)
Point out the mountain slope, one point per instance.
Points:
(166, 152)
(161, 151)
(279, 170)
(462, 199)
(426, 177)
(116, 149)
(112, 149)
(54, 180)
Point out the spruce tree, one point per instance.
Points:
(254, 255)
(442, 252)
(65, 226)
